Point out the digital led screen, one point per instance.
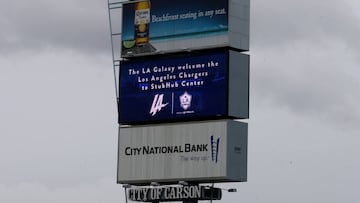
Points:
(174, 87)
(147, 25)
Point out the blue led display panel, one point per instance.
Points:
(171, 88)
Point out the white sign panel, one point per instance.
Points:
(204, 152)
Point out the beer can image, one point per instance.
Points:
(142, 22)
(140, 41)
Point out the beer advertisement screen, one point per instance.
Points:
(154, 26)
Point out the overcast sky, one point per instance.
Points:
(58, 120)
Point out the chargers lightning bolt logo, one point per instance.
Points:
(157, 104)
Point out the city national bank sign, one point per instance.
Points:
(197, 151)
(183, 63)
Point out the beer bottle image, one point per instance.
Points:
(142, 22)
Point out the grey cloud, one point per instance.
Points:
(57, 118)
(101, 190)
(304, 58)
(311, 79)
(78, 25)
(283, 22)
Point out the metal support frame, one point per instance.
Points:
(116, 60)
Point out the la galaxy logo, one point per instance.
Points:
(185, 100)
(214, 148)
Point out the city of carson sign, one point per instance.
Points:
(165, 193)
(144, 150)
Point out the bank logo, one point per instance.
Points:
(185, 100)
(214, 148)
(157, 104)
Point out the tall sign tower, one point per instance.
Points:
(182, 85)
